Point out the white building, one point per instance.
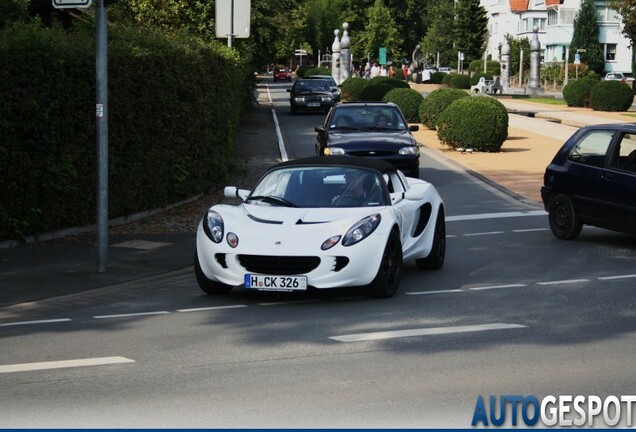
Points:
(555, 20)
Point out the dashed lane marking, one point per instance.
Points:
(496, 215)
(98, 361)
(128, 315)
(359, 337)
(212, 308)
(49, 321)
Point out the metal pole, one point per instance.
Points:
(101, 115)
(567, 56)
(521, 68)
(229, 37)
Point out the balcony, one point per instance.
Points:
(519, 5)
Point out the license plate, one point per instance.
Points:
(275, 283)
(313, 104)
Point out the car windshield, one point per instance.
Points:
(307, 86)
(367, 118)
(320, 186)
(330, 80)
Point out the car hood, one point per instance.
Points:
(371, 139)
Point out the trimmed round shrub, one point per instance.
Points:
(351, 89)
(316, 71)
(436, 102)
(576, 92)
(408, 100)
(459, 81)
(447, 78)
(437, 77)
(395, 83)
(611, 96)
(475, 78)
(375, 92)
(479, 123)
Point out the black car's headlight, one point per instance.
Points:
(410, 150)
(334, 151)
(361, 230)
(300, 99)
(213, 226)
(326, 98)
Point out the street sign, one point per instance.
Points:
(382, 55)
(577, 58)
(232, 18)
(67, 4)
(301, 52)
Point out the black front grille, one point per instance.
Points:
(372, 153)
(279, 265)
(313, 98)
(220, 258)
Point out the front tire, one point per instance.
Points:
(435, 259)
(564, 222)
(387, 280)
(208, 286)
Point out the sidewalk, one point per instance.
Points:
(166, 242)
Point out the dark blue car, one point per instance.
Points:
(592, 181)
(370, 129)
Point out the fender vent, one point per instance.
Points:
(425, 216)
(220, 258)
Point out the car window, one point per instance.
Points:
(311, 85)
(591, 149)
(626, 159)
(368, 118)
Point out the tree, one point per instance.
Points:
(380, 31)
(471, 28)
(585, 37)
(627, 9)
(439, 37)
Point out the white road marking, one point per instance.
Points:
(617, 277)
(289, 302)
(98, 361)
(35, 322)
(496, 215)
(130, 315)
(433, 292)
(489, 287)
(530, 230)
(568, 281)
(483, 233)
(423, 332)
(211, 308)
(279, 135)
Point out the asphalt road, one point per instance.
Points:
(513, 311)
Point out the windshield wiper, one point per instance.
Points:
(271, 199)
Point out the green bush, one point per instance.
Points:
(399, 75)
(301, 70)
(459, 81)
(351, 89)
(493, 67)
(408, 100)
(475, 78)
(393, 82)
(375, 92)
(448, 77)
(576, 92)
(170, 136)
(479, 123)
(436, 102)
(437, 77)
(611, 96)
(316, 71)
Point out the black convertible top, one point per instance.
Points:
(351, 161)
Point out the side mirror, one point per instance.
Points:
(234, 192)
(415, 194)
(414, 128)
(288, 90)
(319, 129)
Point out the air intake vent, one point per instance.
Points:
(279, 265)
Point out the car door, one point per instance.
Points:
(618, 183)
(583, 179)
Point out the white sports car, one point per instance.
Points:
(322, 222)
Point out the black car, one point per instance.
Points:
(335, 90)
(592, 181)
(370, 129)
(310, 95)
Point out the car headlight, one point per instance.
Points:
(299, 99)
(213, 226)
(334, 151)
(361, 230)
(326, 98)
(411, 150)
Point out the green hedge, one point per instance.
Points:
(408, 100)
(437, 77)
(478, 122)
(172, 123)
(475, 78)
(351, 89)
(611, 96)
(436, 102)
(577, 92)
(493, 67)
(316, 71)
(459, 81)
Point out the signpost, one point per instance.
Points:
(232, 19)
(67, 4)
(301, 52)
(382, 56)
